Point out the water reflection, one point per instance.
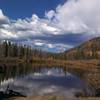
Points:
(30, 80)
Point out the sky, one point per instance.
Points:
(52, 25)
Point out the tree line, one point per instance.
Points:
(9, 49)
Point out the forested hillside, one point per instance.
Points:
(88, 50)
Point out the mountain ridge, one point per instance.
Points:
(87, 50)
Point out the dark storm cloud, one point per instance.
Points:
(71, 39)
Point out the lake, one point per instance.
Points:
(32, 80)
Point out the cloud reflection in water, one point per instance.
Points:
(47, 82)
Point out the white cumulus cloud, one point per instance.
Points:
(77, 16)
(3, 19)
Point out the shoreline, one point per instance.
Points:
(54, 98)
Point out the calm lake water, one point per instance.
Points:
(34, 81)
